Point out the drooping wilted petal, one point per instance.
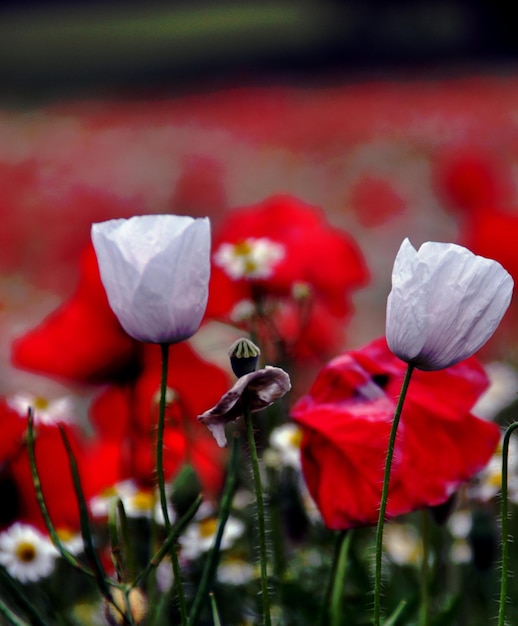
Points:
(445, 303)
(253, 392)
(155, 269)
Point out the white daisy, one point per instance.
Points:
(402, 544)
(251, 258)
(71, 540)
(137, 502)
(235, 571)
(199, 536)
(26, 554)
(243, 311)
(488, 482)
(502, 391)
(284, 448)
(45, 411)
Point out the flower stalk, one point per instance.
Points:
(164, 347)
(69, 558)
(384, 494)
(505, 522)
(261, 523)
(424, 606)
(332, 613)
(211, 561)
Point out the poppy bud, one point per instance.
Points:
(244, 355)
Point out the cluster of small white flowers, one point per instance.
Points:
(251, 258)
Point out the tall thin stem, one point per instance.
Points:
(161, 483)
(424, 606)
(261, 525)
(384, 494)
(504, 516)
(160, 436)
(332, 611)
(211, 561)
(70, 558)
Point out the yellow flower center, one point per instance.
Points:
(208, 527)
(143, 500)
(296, 438)
(495, 479)
(25, 552)
(40, 403)
(65, 534)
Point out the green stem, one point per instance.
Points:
(25, 603)
(160, 436)
(424, 606)
(177, 571)
(69, 558)
(215, 614)
(260, 516)
(171, 538)
(505, 519)
(336, 588)
(101, 577)
(11, 617)
(277, 540)
(128, 561)
(384, 495)
(211, 561)
(115, 542)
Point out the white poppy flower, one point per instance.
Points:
(26, 554)
(155, 269)
(445, 303)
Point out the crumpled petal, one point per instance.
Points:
(156, 270)
(445, 303)
(254, 391)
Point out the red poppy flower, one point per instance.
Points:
(469, 180)
(127, 416)
(282, 254)
(346, 420)
(375, 201)
(16, 483)
(82, 340)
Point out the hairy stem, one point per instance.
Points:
(505, 520)
(384, 494)
(261, 524)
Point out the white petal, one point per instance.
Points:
(445, 303)
(155, 269)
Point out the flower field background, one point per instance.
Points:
(382, 160)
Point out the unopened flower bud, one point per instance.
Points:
(137, 605)
(244, 355)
